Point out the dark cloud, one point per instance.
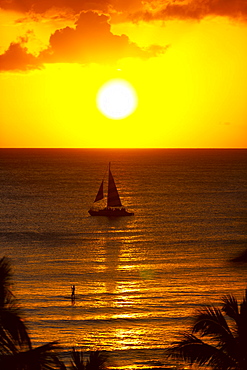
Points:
(91, 41)
(18, 58)
(193, 9)
(41, 6)
(76, 6)
(137, 9)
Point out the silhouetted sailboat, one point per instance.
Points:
(114, 206)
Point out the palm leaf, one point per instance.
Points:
(239, 327)
(211, 322)
(45, 357)
(230, 307)
(41, 358)
(16, 352)
(194, 351)
(222, 343)
(5, 280)
(97, 361)
(77, 362)
(13, 332)
(13, 329)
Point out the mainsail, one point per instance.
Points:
(114, 206)
(100, 194)
(113, 199)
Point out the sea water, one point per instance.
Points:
(138, 279)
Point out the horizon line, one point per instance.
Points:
(131, 148)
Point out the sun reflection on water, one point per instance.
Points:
(120, 305)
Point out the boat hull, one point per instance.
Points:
(110, 212)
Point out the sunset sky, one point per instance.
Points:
(186, 61)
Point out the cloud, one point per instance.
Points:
(91, 41)
(18, 58)
(137, 9)
(190, 9)
(41, 6)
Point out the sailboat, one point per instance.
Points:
(114, 207)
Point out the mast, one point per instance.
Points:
(113, 199)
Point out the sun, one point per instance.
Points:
(117, 99)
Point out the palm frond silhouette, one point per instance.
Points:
(218, 337)
(16, 352)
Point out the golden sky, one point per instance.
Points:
(185, 59)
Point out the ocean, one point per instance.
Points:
(139, 279)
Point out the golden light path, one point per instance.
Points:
(117, 99)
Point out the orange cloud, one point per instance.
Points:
(41, 6)
(146, 10)
(193, 9)
(18, 58)
(91, 41)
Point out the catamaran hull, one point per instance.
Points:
(108, 212)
